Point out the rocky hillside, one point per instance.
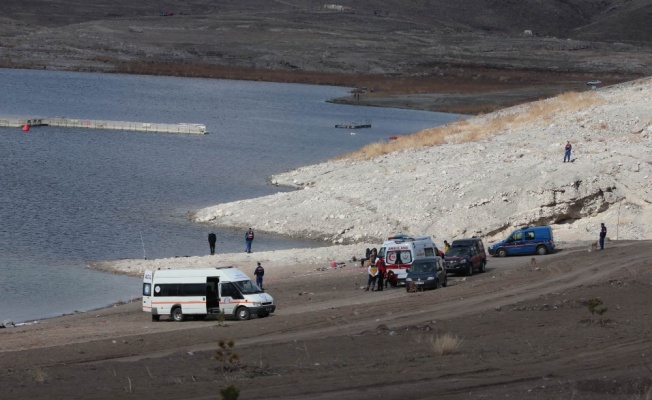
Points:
(493, 173)
(382, 37)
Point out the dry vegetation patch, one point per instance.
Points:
(445, 344)
(472, 130)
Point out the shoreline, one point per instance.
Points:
(459, 93)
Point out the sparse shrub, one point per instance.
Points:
(220, 318)
(230, 393)
(594, 308)
(446, 344)
(39, 375)
(226, 355)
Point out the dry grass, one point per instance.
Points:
(465, 131)
(38, 375)
(446, 344)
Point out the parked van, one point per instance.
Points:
(426, 273)
(466, 256)
(399, 251)
(200, 292)
(527, 240)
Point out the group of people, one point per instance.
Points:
(259, 272)
(377, 271)
(249, 238)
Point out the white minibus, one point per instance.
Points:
(200, 292)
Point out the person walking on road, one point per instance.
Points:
(567, 152)
(249, 237)
(212, 238)
(603, 234)
(259, 272)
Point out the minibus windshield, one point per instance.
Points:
(247, 287)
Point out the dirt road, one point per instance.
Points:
(524, 327)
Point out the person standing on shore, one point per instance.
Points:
(249, 237)
(567, 152)
(447, 246)
(212, 238)
(603, 234)
(259, 272)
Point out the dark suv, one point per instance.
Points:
(465, 256)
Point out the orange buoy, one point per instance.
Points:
(25, 128)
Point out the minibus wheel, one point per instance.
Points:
(542, 250)
(177, 315)
(242, 313)
(501, 252)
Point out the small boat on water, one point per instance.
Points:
(355, 125)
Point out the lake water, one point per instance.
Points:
(73, 196)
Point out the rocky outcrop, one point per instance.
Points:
(509, 176)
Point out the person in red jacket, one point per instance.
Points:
(382, 270)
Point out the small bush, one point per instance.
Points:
(39, 375)
(226, 355)
(446, 344)
(594, 308)
(230, 393)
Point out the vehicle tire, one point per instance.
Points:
(437, 284)
(483, 267)
(242, 313)
(469, 272)
(263, 314)
(542, 250)
(156, 317)
(177, 314)
(445, 282)
(501, 252)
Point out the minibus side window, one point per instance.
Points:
(147, 289)
(430, 252)
(165, 289)
(192, 289)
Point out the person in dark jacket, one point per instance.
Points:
(212, 238)
(567, 151)
(249, 237)
(259, 272)
(603, 234)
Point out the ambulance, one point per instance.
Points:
(178, 293)
(399, 251)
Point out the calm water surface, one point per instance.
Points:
(73, 196)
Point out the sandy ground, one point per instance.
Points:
(524, 330)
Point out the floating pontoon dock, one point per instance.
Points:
(355, 125)
(199, 129)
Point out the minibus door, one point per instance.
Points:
(212, 297)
